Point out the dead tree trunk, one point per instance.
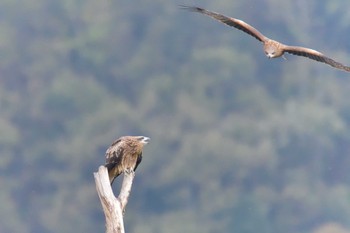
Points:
(113, 207)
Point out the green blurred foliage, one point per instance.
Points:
(239, 143)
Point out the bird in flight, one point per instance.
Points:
(272, 48)
(124, 155)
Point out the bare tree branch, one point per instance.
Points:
(113, 207)
(126, 188)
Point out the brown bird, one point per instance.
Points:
(272, 48)
(124, 155)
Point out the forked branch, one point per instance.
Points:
(113, 207)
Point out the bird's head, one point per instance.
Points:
(143, 139)
(270, 52)
(272, 49)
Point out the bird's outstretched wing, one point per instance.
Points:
(239, 24)
(315, 55)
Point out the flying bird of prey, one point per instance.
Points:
(125, 154)
(272, 48)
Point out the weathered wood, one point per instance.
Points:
(113, 207)
(126, 188)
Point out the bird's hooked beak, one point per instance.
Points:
(145, 140)
(269, 55)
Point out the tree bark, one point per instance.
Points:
(113, 207)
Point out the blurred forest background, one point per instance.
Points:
(240, 143)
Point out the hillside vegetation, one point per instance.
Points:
(239, 143)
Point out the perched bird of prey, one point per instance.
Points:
(272, 48)
(125, 154)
